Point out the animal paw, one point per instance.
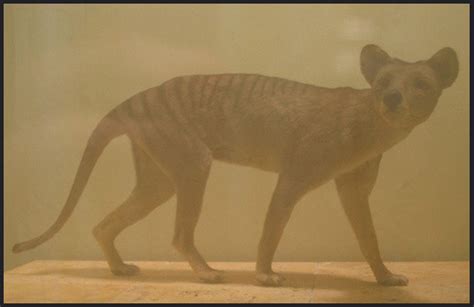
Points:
(270, 279)
(125, 270)
(393, 280)
(210, 276)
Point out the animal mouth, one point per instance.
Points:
(399, 118)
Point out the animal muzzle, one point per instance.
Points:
(392, 100)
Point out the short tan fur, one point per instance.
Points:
(307, 134)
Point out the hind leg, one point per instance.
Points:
(190, 192)
(187, 162)
(188, 166)
(152, 189)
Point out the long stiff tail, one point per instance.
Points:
(107, 129)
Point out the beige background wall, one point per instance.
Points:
(66, 66)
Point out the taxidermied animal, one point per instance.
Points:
(305, 133)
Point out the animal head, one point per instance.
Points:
(407, 93)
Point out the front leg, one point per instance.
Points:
(287, 193)
(354, 189)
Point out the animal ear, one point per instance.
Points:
(372, 58)
(445, 64)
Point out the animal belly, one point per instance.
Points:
(252, 158)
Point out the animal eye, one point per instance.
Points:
(384, 81)
(421, 84)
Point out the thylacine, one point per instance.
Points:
(307, 134)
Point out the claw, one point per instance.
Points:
(126, 270)
(393, 280)
(270, 280)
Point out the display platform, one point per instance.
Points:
(173, 282)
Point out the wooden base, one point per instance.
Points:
(170, 282)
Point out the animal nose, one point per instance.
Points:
(392, 99)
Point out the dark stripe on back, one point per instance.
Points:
(129, 110)
(220, 107)
(228, 85)
(177, 94)
(275, 84)
(299, 88)
(305, 89)
(188, 124)
(151, 119)
(239, 91)
(122, 113)
(286, 87)
(259, 86)
(195, 92)
(169, 130)
(213, 91)
(252, 88)
(203, 86)
(264, 86)
(165, 102)
(231, 80)
(190, 92)
(134, 122)
(291, 89)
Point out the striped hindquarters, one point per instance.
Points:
(191, 104)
